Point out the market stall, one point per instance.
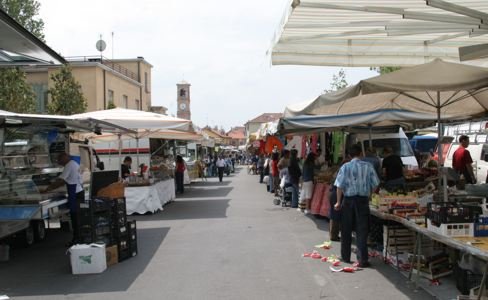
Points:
(156, 142)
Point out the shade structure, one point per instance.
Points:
(155, 134)
(443, 90)
(367, 33)
(136, 119)
(383, 120)
(272, 143)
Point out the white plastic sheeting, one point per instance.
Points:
(377, 32)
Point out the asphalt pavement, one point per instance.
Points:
(216, 241)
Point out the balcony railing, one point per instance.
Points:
(106, 62)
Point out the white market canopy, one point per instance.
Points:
(437, 90)
(137, 120)
(363, 33)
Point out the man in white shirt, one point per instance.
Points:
(220, 166)
(71, 177)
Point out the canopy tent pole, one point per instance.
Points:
(137, 150)
(120, 155)
(370, 139)
(442, 181)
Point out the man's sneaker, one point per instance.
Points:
(299, 209)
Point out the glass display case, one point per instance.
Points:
(27, 164)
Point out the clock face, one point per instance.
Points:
(182, 106)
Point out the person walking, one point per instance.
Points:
(462, 161)
(307, 185)
(180, 174)
(220, 167)
(295, 173)
(261, 162)
(355, 181)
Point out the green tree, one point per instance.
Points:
(384, 70)
(66, 95)
(15, 94)
(338, 81)
(25, 12)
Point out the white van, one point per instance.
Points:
(398, 141)
(478, 148)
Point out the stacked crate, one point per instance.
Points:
(451, 218)
(398, 239)
(95, 219)
(105, 220)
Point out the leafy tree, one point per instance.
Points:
(384, 70)
(338, 81)
(15, 94)
(111, 105)
(25, 13)
(66, 95)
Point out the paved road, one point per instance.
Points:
(220, 241)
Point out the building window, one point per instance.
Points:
(125, 101)
(138, 104)
(182, 93)
(110, 97)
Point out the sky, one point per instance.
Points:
(219, 46)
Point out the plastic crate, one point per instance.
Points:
(452, 212)
(481, 227)
(452, 229)
(466, 280)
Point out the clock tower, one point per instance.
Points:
(183, 100)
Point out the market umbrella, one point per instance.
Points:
(271, 143)
(444, 90)
(145, 123)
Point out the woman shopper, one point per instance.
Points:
(179, 174)
(275, 173)
(307, 186)
(295, 173)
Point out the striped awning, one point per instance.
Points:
(363, 33)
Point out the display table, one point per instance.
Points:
(320, 204)
(151, 198)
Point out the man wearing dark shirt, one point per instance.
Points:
(392, 170)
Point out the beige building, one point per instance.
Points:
(253, 125)
(124, 82)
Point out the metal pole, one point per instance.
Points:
(120, 155)
(439, 150)
(370, 139)
(137, 150)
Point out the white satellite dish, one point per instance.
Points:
(101, 45)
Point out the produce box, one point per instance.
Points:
(112, 254)
(88, 259)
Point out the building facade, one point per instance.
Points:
(124, 82)
(253, 125)
(238, 136)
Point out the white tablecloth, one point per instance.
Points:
(145, 199)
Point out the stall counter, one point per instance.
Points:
(151, 198)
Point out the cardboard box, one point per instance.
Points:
(112, 254)
(88, 259)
